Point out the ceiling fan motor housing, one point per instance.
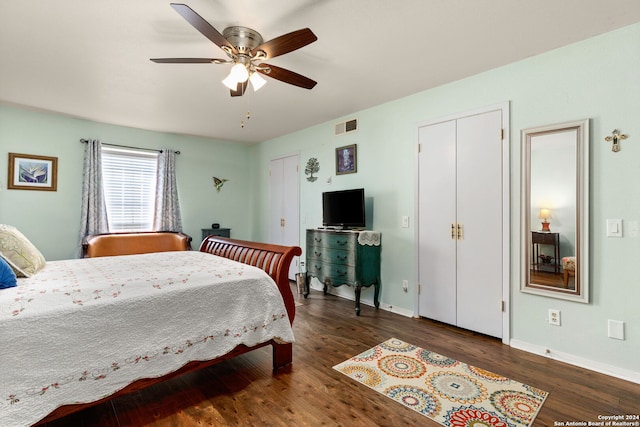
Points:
(244, 39)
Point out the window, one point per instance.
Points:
(129, 178)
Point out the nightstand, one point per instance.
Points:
(220, 232)
(545, 238)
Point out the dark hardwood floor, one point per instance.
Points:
(244, 392)
(552, 279)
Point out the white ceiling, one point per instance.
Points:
(90, 58)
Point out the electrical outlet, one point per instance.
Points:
(554, 317)
(405, 285)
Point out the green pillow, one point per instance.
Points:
(24, 258)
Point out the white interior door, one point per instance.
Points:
(276, 200)
(437, 207)
(290, 208)
(460, 183)
(479, 251)
(284, 205)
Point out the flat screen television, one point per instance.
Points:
(343, 209)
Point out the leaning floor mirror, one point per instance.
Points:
(555, 211)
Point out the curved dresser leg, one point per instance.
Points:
(307, 285)
(376, 294)
(358, 289)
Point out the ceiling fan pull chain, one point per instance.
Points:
(247, 107)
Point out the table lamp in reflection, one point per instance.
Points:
(545, 215)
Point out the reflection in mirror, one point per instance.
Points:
(555, 210)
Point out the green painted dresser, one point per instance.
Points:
(339, 258)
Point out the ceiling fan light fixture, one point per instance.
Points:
(246, 50)
(256, 81)
(230, 82)
(238, 74)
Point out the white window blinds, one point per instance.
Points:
(129, 179)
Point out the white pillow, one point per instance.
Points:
(25, 259)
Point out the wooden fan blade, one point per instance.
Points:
(286, 43)
(242, 86)
(184, 60)
(287, 76)
(199, 23)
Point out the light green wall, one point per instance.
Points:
(596, 79)
(51, 219)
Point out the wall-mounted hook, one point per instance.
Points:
(615, 137)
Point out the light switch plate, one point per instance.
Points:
(614, 228)
(615, 329)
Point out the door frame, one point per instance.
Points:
(506, 208)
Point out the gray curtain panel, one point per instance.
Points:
(94, 210)
(167, 214)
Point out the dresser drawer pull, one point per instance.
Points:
(317, 239)
(342, 242)
(318, 267)
(342, 258)
(341, 273)
(318, 254)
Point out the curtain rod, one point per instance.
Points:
(84, 141)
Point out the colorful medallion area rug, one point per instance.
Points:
(445, 390)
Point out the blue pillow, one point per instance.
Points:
(7, 276)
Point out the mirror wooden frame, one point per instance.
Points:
(580, 131)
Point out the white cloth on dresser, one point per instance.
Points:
(369, 238)
(83, 329)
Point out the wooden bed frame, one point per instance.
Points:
(275, 261)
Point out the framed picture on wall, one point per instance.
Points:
(30, 172)
(346, 159)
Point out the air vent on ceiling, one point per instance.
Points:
(346, 127)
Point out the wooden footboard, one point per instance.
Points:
(275, 261)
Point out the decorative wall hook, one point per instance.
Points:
(615, 137)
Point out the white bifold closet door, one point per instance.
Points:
(461, 222)
(284, 205)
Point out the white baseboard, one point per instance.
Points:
(592, 365)
(398, 310)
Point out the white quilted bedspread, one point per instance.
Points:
(82, 329)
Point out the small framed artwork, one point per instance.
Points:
(346, 159)
(29, 172)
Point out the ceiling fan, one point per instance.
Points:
(246, 50)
